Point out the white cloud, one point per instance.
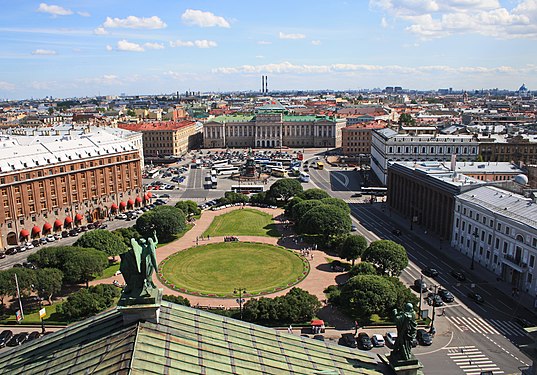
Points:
(203, 19)
(55, 10)
(264, 42)
(109, 47)
(44, 52)
(7, 86)
(291, 36)
(124, 45)
(84, 14)
(440, 18)
(384, 22)
(259, 57)
(203, 43)
(316, 42)
(106, 79)
(153, 45)
(133, 22)
(100, 31)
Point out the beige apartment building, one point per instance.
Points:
(356, 139)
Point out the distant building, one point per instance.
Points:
(272, 126)
(356, 139)
(51, 180)
(389, 146)
(520, 148)
(170, 138)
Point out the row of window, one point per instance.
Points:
(433, 150)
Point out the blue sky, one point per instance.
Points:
(79, 48)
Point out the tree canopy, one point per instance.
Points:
(82, 266)
(188, 207)
(285, 189)
(300, 209)
(389, 257)
(363, 268)
(126, 234)
(176, 299)
(48, 281)
(108, 242)
(337, 202)
(89, 301)
(352, 248)
(165, 220)
(325, 220)
(314, 194)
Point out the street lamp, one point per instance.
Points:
(432, 330)
(240, 300)
(473, 250)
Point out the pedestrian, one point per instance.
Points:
(208, 237)
(197, 242)
(290, 329)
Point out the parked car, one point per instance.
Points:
(51, 238)
(57, 236)
(397, 232)
(318, 337)
(121, 216)
(356, 195)
(434, 300)
(103, 226)
(354, 228)
(36, 243)
(29, 246)
(420, 284)
(458, 275)
(18, 339)
(34, 335)
(364, 342)
(2, 255)
(91, 226)
(83, 228)
(11, 251)
(29, 265)
(21, 249)
(424, 337)
(446, 295)
(348, 339)
(165, 195)
(43, 240)
(476, 297)
(65, 234)
(390, 338)
(377, 340)
(430, 271)
(5, 336)
(73, 232)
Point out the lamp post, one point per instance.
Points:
(421, 292)
(473, 249)
(432, 330)
(240, 300)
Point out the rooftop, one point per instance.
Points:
(156, 125)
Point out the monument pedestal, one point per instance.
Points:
(403, 367)
(141, 308)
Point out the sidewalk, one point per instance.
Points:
(480, 274)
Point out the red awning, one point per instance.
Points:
(68, 220)
(317, 322)
(122, 204)
(36, 230)
(113, 206)
(149, 194)
(57, 223)
(47, 226)
(25, 233)
(146, 197)
(130, 202)
(139, 199)
(79, 217)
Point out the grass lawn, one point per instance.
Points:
(32, 316)
(109, 271)
(246, 222)
(217, 269)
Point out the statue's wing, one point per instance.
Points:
(137, 249)
(153, 253)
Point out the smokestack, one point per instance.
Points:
(266, 84)
(262, 84)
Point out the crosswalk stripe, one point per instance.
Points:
(509, 328)
(472, 361)
(469, 324)
(486, 326)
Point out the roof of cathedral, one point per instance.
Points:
(186, 341)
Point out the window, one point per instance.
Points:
(506, 230)
(499, 226)
(530, 278)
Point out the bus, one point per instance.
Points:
(210, 182)
(295, 171)
(247, 189)
(285, 161)
(221, 171)
(152, 173)
(320, 165)
(213, 173)
(219, 163)
(378, 191)
(279, 172)
(304, 177)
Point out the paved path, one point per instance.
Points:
(319, 278)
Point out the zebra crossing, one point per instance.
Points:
(487, 326)
(472, 361)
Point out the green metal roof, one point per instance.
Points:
(186, 341)
(306, 118)
(233, 118)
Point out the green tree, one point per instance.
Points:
(301, 306)
(300, 209)
(165, 220)
(25, 278)
(364, 295)
(49, 257)
(48, 281)
(403, 294)
(292, 203)
(5, 286)
(325, 220)
(314, 194)
(188, 207)
(337, 202)
(126, 234)
(176, 299)
(108, 242)
(81, 266)
(230, 197)
(406, 120)
(285, 188)
(87, 302)
(363, 268)
(389, 257)
(352, 248)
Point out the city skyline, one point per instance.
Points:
(64, 49)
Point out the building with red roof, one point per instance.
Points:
(356, 139)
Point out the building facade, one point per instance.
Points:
(167, 138)
(389, 146)
(498, 229)
(521, 148)
(356, 139)
(51, 182)
(272, 127)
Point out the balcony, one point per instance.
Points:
(514, 263)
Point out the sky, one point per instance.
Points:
(86, 48)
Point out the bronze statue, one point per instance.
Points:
(406, 333)
(137, 266)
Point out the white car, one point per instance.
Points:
(29, 246)
(51, 238)
(121, 216)
(390, 338)
(377, 340)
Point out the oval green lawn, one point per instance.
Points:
(243, 222)
(217, 269)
